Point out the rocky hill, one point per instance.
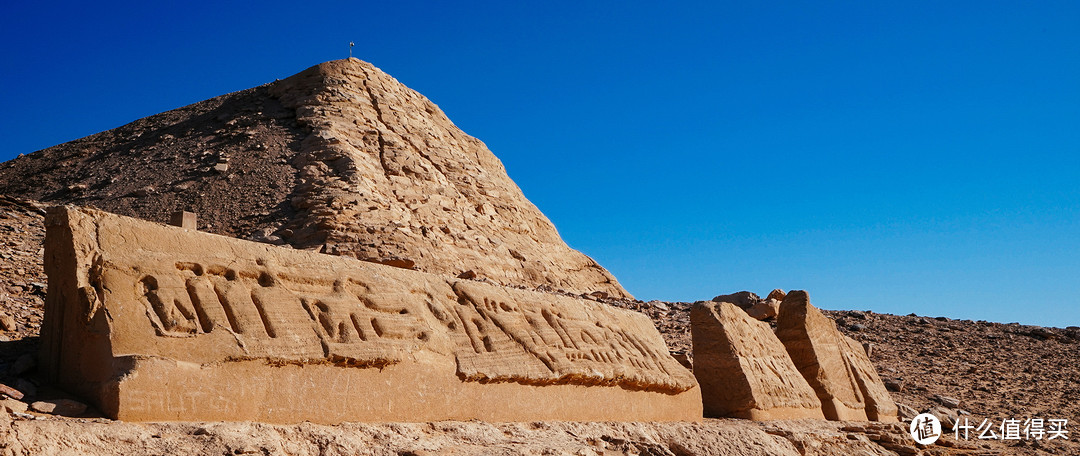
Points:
(340, 158)
(345, 160)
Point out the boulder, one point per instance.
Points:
(777, 294)
(743, 299)
(61, 407)
(743, 369)
(156, 323)
(12, 406)
(835, 366)
(764, 310)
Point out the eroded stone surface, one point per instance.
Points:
(878, 403)
(158, 323)
(835, 366)
(340, 158)
(743, 368)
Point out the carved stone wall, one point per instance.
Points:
(151, 322)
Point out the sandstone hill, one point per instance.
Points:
(340, 158)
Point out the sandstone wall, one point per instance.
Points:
(151, 322)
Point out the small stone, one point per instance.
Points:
(905, 412)
(13, 406)
(7, 323)
(10, 392)
(950, 402)
(184, 219)
(470, 274)
(857, 327)
(62, 407)
(776, 294)
(894, 385)
(221, 167)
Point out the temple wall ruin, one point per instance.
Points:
(153, 323)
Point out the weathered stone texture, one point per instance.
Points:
(390, 179)
(743, 368)
(743, 299)
(151, 322)
(340, 158)
(878, 402)
(834, 365)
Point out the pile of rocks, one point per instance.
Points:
(22, 279)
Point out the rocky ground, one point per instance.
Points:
(956, 369)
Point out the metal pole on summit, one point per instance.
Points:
(351, 44)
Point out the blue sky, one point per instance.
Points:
(892, 156)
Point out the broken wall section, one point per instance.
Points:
(150, 322)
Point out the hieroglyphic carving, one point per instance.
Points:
(156, 323)
(347, 320)
(510, 330)
(495, 334)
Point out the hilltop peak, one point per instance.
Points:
(340, 158)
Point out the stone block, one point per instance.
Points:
(184, 219)
(153, 323)
(743, 369)
(835, 366)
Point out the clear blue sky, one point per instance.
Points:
(893, 156)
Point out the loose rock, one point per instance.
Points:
(950, 402)
(13, 406)
(10, 392)
(62, 407)
(742, 299)
(764, 310)
(7, 323)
